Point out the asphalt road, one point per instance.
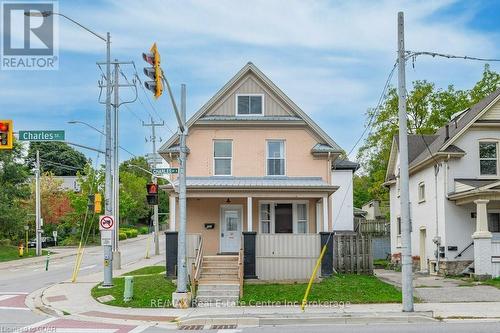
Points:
(21, 277)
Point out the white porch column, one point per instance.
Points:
(172, 213)
(318, 216)
(249, 214)
(482, 241)
(324, 203)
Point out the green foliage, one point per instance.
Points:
(130, 232)
(57, 158)
(14, 190)
(143, 230)
(133, 205)
(428, 108)
(122, 235)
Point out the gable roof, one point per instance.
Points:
(442, 141)
(251, 68)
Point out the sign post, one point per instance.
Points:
(106, 226)
(54, 234)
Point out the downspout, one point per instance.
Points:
(437, 239)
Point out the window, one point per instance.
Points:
(265, 218)
(301, 218)
(399, 226)
(223, 155)
(276, 158)
(421, 192)
(250, 105)
(487, 158)
(494, 222)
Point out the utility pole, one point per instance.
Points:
(406, 260)
(38, 207)
(108, 188)
(116, 168)
(181, 258)
(153, 126)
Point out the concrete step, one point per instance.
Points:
(218, 293)
(220, 270)
(222, 299)
(217, 285)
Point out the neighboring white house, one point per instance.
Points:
(342, 200)
(69, 183)
(454, 193)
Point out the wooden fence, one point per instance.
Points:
(352, 254)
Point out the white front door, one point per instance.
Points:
(230, 231)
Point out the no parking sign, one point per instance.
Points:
(106, 222)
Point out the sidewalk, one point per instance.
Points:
(438, 289)
(73, 301)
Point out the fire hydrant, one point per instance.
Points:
(21, 249)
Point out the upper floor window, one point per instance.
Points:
(223, 157)
(250, 105)
(421, 192)
(276, 158)
(488, 158)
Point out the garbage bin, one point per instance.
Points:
(128, 291)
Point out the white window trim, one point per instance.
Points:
(267, 157)
(214, 158)
(249, 115)
(495, 141)
(294, 203)
(421, 198)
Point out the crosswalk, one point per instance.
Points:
(61, 325)
(13, 300)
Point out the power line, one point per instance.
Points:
(414, 54)
(64, 166)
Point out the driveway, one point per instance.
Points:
(437, 289)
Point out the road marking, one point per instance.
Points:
(139, 329)
(31, 328)
(7, 308)
(4, 297)
(87, 267)
(86, 330)
(13, 292)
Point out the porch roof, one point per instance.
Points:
(258, 183)
(469, 190)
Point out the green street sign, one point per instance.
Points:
(162, 171)
(41, 135)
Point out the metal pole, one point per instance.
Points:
(116, 173)
(108, 254)
(407, 284)
(155, 207)
(38, 207)
(181, 259)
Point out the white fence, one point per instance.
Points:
(495, 258)
(286, 256)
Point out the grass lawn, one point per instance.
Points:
(493, 282)
(149, 291)
(8, 253)
(338, 288)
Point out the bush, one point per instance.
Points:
(5, 242)
(122, 235)
(143, 230)
(131, 233)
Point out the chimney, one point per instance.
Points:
(447, 132)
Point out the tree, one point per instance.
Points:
(428, 109)
(57, 158)
(14, 189)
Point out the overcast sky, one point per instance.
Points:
(330, 57)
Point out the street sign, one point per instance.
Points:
(106, 222)
(41, 135)
(106, 237)
(163, 171)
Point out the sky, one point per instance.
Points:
(331, 58)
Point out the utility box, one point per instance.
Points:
(128, 291)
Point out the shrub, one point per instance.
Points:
(122, 235)
(143, 230)
(5, 242)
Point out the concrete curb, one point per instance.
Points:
(310, 319)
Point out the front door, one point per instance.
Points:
(230, 236)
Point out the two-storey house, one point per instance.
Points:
(258, 173)
(454, 193)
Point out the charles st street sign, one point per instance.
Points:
(41, 135)
(163, 171)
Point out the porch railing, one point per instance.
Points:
(197, 265)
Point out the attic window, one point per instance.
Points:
(250, 105)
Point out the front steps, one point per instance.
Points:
(218, 284)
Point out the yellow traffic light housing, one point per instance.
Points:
(154, 72)
(97, 203)
(6, 134)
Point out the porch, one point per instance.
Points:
(483, 202)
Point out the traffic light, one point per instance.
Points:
(6, 134)
(91, 202)
(97, 203)
(153, 58)
(152, 195)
